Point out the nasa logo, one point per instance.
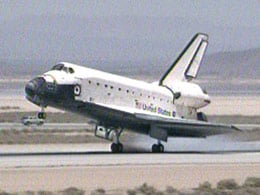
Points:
(77, 90)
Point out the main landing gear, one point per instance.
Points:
(111, 134)
(116, 146)
(158, 148)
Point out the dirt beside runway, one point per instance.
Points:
(120, 178)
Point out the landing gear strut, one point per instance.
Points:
(116, 146)
(158, 148)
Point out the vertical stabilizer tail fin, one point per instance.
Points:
(186, 66)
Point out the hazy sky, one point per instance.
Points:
(124, 30)
(244, 13)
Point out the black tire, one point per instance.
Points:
(161, 148)
(120, 147)
(157, 148)
(114, 148)
(42, 115)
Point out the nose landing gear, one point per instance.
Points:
(42, 114)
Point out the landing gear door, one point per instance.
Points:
(104, 133)
(158, 133)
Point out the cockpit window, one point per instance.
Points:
(68, 70)
(63, 68)
(71, 70)
(58, 67)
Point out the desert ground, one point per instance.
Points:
(117, 179)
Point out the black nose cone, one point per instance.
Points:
(30, 88)
(34, 87)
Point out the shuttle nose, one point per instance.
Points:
(34, 86)
(30, 88)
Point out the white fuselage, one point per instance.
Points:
(129, 94)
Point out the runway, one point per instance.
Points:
(107, 159)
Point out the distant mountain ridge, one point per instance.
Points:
(240, 64)
(221, 65)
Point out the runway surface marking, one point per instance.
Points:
(102, 159)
